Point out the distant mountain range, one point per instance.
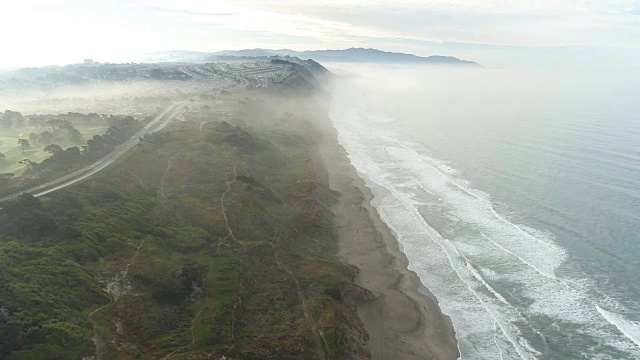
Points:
(347, 55)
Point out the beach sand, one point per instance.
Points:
(405, 321)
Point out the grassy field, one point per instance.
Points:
(13, 153)
(215, 240)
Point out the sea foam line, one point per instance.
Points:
(434, 238)
(438, 239)
(541, 272)
(495, 341)
(429, 231)
(630, 329)
(486, 200)
(623, 325)
(608, 318)
(555, 255)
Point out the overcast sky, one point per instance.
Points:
(498, 33)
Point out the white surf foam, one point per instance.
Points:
(453, 268)
(630, 329)
(405, 216)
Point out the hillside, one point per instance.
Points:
(360, 55)
(214, 238)
(353, 55)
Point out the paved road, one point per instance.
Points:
(157, 124)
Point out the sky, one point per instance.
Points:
(496, 33)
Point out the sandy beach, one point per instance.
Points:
(404, 322)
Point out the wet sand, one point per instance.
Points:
(405, 321)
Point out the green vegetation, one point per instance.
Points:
(50, 160)
(212, 239)
(25, 137)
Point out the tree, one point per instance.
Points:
(26, 163)
(10, 118)
(27, 214)
(34, 138)
(38, 123)
(97, 143)
(114, 134)
(46, 138)
(57, 124)
(19, 122)
(4, 179)
(53, 149)
(73, 155)
(73, 134)
(24, 144)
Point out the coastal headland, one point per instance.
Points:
(239, 231)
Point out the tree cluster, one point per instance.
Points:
(11, 120)
(65, 160)
(25, 217)
(96, 147)
(55, 129)
(157, 138)
(74, 118)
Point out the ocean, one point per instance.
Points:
(515, 196)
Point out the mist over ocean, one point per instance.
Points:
(516, 198)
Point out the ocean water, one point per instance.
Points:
(515, 196)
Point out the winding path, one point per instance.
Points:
(114, 290)
(315, 333)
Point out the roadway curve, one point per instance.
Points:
(157, 124)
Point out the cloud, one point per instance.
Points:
(61, 30)
(255, 19)
(499, 22)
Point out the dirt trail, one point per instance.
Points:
(307, 314)
(316, 334)
(140, 181)
(231, 235)
(194, 320)
(229, 183)
(163, 181)
(202, 124)
(115, 289)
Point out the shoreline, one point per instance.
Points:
(405, 321)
